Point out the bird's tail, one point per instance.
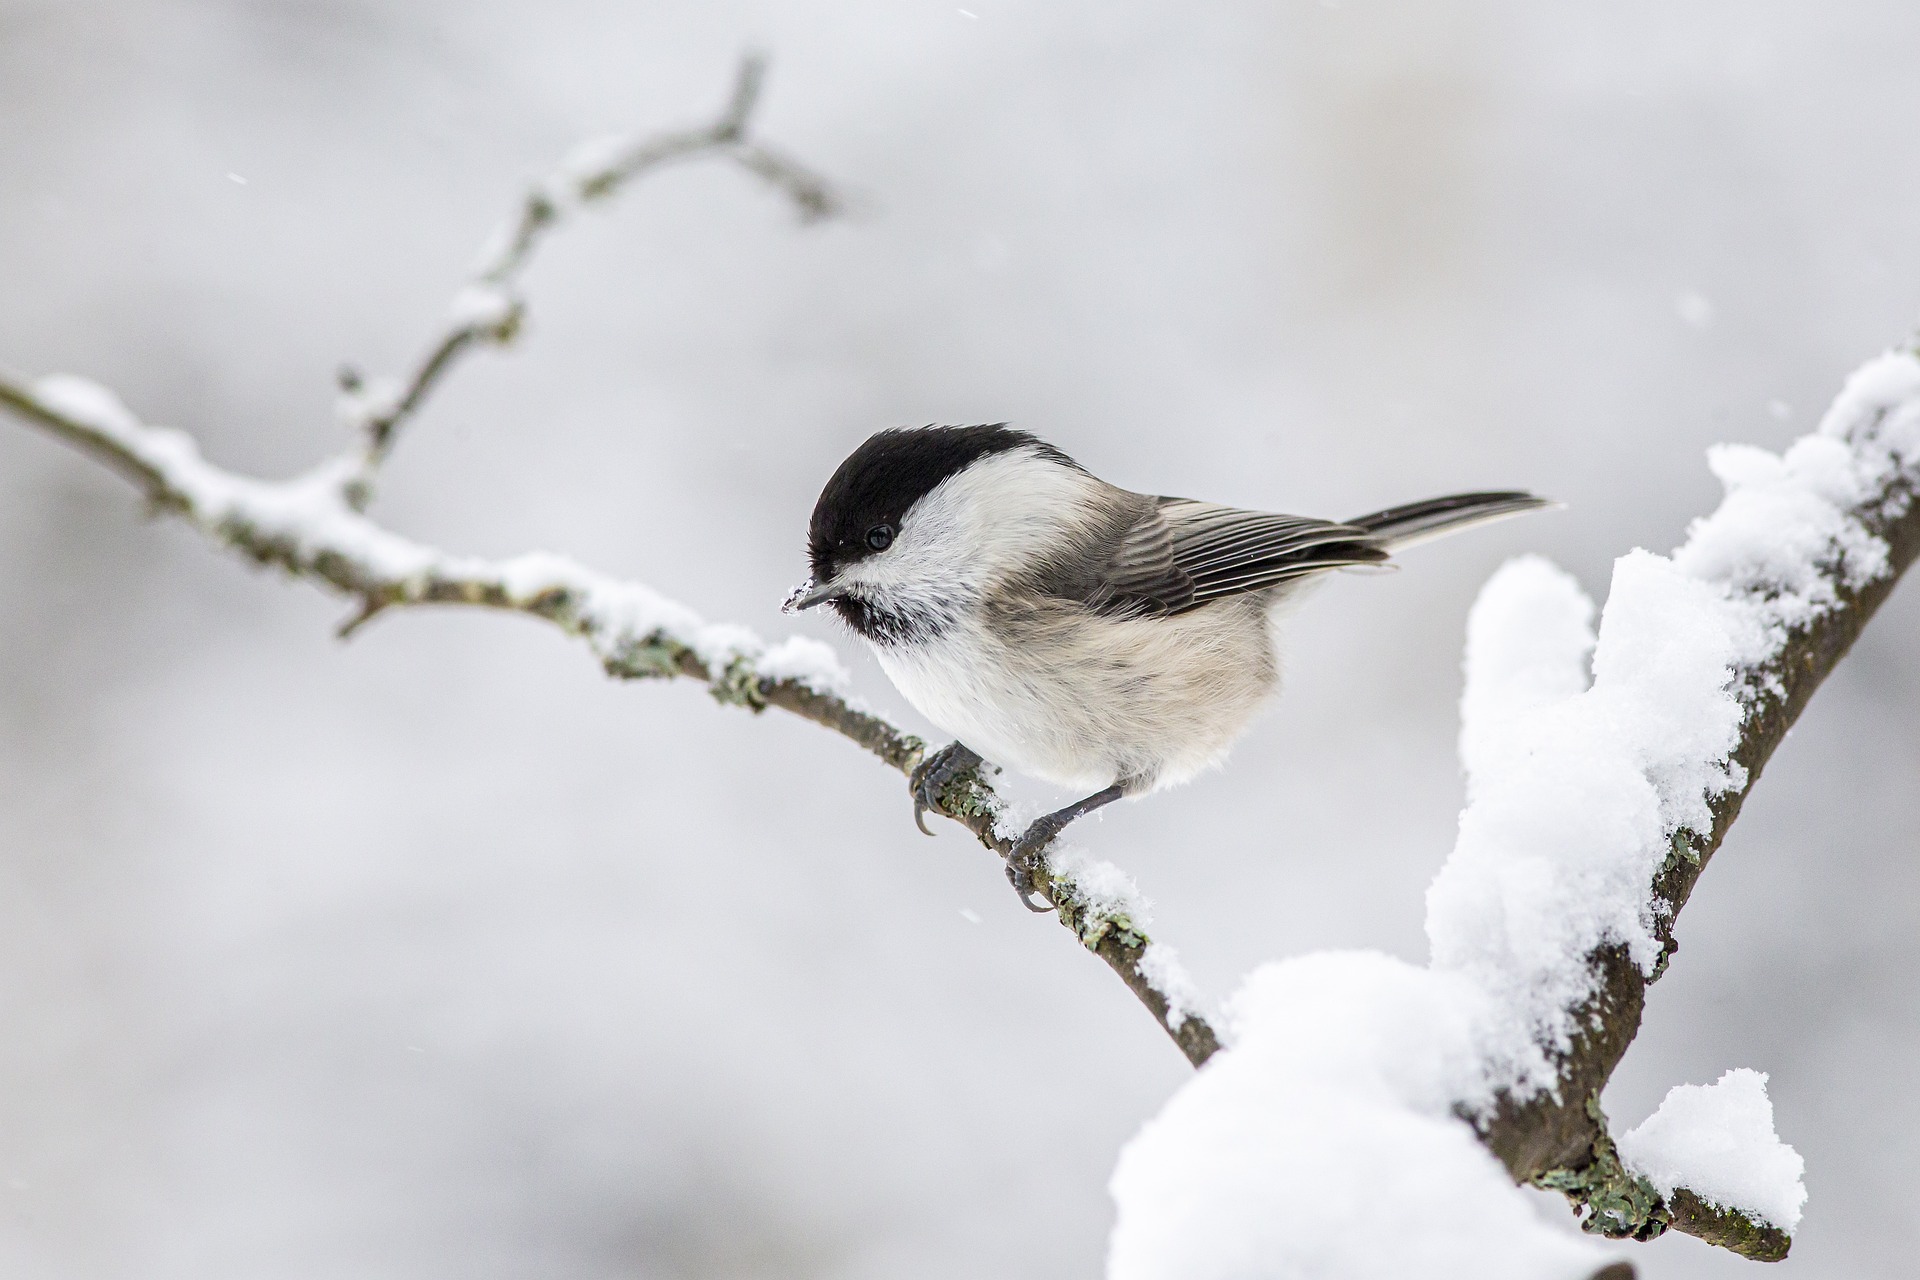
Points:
(1399, 527)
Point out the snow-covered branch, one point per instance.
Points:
(1604, 769)
(315, 527)
(309, 527)
(1718, 652)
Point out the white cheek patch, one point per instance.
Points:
(927, 548)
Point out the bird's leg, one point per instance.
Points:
(932, 776)
(1024, 858)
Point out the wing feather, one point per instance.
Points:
(1144, 577)
(1227, 551)
(1179, 554)
(1174, 554)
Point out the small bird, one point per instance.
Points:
(1090, 636)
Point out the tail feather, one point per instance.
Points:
(1403, 526)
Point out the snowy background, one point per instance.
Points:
(437, 954)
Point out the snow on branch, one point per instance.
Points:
(1372, 1115)
(1717, 1142)
(315, 527)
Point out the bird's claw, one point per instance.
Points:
(929, 781)
(1024, 859)
(932, 776)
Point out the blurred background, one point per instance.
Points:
(437, 954)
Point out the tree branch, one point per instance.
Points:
(315, 527)
(1560, 1138)
(306, 527)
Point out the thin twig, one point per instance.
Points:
(489, 310)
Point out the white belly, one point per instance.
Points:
(1084, 702)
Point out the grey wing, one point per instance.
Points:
(1180, 554)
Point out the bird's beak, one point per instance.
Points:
(808, 594)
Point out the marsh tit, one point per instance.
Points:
(1090, 636)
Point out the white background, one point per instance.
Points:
(436, 954)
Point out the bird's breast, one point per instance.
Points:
(1084, 700)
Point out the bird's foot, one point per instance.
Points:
(933, 776)
(1026, 858)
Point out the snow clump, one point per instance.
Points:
(1717, 1141)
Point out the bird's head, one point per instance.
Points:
(918, 521)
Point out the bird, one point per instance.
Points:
(1112, 642)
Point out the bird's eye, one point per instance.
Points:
(880, 537)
